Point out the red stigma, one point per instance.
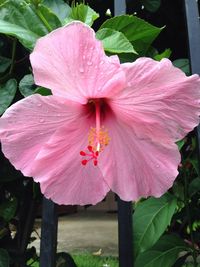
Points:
(90, 148)
(91, 155)
(84, 162)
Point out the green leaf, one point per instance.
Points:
(178, 190)
(42, 91)
(27, 23)
(4, 64)
(114, 41)
(164, 54)
(180, 143)
(151, 219)
(83, 13)
(183, 64)
(163, 254)
(26, 37)
(139, 32)
(64, 259)
(7, 93)
(4, 258)
(151, 5)
(194, 187)
(195, 163)
(47, 17)
(26, 85)
(33, 263)
(8, 209)
(59, 7)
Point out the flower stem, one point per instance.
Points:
(194, 254)
(43, 19)
(13, 55)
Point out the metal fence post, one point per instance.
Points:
(193, 28)
(48, 234)
(125, 231)
(120, 7)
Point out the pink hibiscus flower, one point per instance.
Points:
(106, 127)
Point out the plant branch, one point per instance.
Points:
(194, 254)
(43, 19)
(13, 55)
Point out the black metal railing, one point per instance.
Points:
(49, 217)
(193, 29)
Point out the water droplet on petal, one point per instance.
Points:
(41, 120)
(39, 105)
(102, 62)
(129, 84)
(157, 165)
(81, 70)
(89, 63)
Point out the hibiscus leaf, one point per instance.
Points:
(43, 91)
(114, 41)
(49, 17)
(183, 64)
(195, 163)
(7, 93)
(59, 7)
(83, 13)
(4, 258)
(165, 54)
(139, 32)
(194, 187)
(163, 254)
(26, 37)
(151, 5)
(150, 220)
(26, 22)
(27, 87)
(180, 144)
(8, 209)
(4, 63)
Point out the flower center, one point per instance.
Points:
(98, 138)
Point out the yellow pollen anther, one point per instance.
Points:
(98, 140)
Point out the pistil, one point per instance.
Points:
(98, 138)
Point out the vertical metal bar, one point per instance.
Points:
(193, 27)
(119, 7)
(48, 234)
(125, 233)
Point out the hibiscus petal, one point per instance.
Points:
(160, 101)
(67, 181)
(134, 167)
(72, 63)
(29, 123)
